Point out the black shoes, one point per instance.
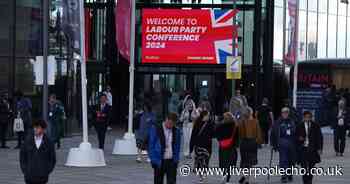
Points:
(286, 179)
(241, 181)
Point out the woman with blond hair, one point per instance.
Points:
(227, 135)
(250, 137)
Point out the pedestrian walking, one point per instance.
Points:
(340, 127)
(283, 139)
(201, 141)
(37, 155)
(187, 118)
(164, 149)
(265, 116)
(293, 112)
(5, 116)
(310, 142)
(238, 104)
(109, 96)
(227, 136)
(102, 117)
(147, 119)
(250, 138)
(24, 111)
(55, 120)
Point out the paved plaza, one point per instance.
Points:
(125, 170)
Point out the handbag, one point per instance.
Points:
(18, 125)
(227, 143)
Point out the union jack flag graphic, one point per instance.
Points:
(224, 48)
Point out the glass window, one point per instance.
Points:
(322, 6)
(333, 7)
(332, 37)
(279, 3)
(312, 35)
(342, 8)
(322, 36)
(302, 35)
(278, 36)
(312, 5)
(302, 4)
(341, 36)
(348, 38)
(248, 37)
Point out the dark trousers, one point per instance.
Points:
(265, 133)
(3, 131)
(20, 138)
(101, 129)
(28, 182)
(227, 159)
(287, 153)
(307, 165)
(168, 169)
(339, 139)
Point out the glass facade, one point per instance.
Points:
(324, 30)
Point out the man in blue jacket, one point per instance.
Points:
(283, 140)
(164, 150)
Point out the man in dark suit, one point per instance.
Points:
(102, 118)
(310, 144)
(37, 155)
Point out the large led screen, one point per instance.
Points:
(178, 36)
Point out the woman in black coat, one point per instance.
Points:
(201, 140)
(227, 136)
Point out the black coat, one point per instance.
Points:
(315, 142)
(37, 164)
(202, 138)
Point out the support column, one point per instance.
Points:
(268, 51)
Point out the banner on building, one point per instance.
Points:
(123, 14)
(188, 36)
(234, 67)
(291, 55)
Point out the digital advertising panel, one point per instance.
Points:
(179, 36)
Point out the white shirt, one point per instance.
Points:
(109, 98)
(38, 140)
(168, 134)
(306, 124)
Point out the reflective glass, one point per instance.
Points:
(322, 6)
(332, 37)
(342, 8)
(302, 35)
(312, 35)
(322, 36)
(278, 36)
(341, 36)
(333, 6)
(312, 5)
